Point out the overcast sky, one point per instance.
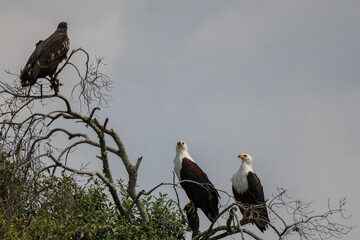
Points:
(276, 79)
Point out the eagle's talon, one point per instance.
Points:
(250, 217)
(190, 207)
(244, 220)
(55, 83)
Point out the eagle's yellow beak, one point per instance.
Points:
(181, 143)
(242, 156)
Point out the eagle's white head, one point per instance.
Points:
(246, 164)
(181, 153)
(246, 158)
(181, 146)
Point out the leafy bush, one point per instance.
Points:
(66, 210)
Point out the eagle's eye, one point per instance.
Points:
(245, 155)
(182, 143)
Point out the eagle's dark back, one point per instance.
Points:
(46, 56)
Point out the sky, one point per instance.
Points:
(278, 80)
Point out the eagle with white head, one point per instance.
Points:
(194, 181)
(249, 192)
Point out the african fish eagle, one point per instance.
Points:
(249, 192)
(194, 181)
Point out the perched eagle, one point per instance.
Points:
(201, 191)
(46, 56)
(248, 190)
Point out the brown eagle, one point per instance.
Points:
(46, 57)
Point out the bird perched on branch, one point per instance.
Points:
(249, 192)
(46, 57)
(194, 181)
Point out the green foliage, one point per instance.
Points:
(66, 210)
(166, 222)
(5, 170)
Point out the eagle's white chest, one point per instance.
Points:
(239, 179)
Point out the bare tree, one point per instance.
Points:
(40, 130)
(28, 133)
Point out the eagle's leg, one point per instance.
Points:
(251, 216)
(246, 218)
(192, 217)
(55, 83)
(190, 207)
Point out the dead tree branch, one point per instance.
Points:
(26, 126)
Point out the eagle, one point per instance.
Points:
(247, 190)
(46, 57)
(195, 182)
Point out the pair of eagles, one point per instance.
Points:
(46, 57)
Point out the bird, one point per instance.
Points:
(247, 190)
(46, 57)
(195, 182)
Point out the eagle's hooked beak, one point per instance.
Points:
(242, 156)
(181, 143)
